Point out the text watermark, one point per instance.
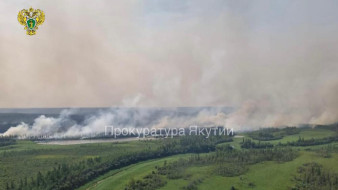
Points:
(168, 132)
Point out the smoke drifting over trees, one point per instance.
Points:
(96, 122)
(277, 65)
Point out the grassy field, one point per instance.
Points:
(269, 175)
(117, 179)
(26, 158)
(262, 176)
(265, 176)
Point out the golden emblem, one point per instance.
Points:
(31, 19)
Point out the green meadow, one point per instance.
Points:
(265, 175)
(170, 164)
(117, 179)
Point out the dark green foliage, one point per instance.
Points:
(226, 161)
(312, 142)
(230, 170)
(332, 127)
(149, 182)
(251, 185)
(312, 176)
(326, 151)
(193, 184)
(5, 141)
(268, 134)
(70, 176)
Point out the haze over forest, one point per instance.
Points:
(274, 61)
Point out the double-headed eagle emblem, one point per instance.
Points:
(31, 19)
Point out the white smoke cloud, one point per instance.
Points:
(95, 124)
(276, 71)
(42, 125)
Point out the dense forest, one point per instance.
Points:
(6, 141)
(268, 134)
(70, 176)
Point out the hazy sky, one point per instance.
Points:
(266, 57)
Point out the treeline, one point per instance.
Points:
(61, 171)
(248, 143)
(268, 134)
(311, 142)
(225, 161)
(70, 176)
(332, 127)
(312, 176)
(253, 156)
(5, 141)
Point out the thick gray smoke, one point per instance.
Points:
(275, 61)
(95, 123)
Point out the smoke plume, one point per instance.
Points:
(276, 63)
(95, 123)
